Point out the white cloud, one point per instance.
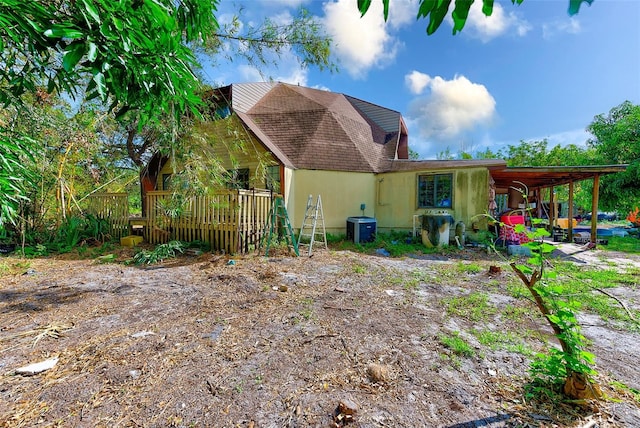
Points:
(416, 81)
(452, 108)
(296, 76)
(249, 74)
(361, 43)
(577, 137)
(487, 28)
(552, 29)
(401, 13)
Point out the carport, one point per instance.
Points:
(511, 179)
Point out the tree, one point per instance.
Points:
(259, 45)
(133, 54)
(616, 140)
(436, 11)
(537, 153)
(138, 57)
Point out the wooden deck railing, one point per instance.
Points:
(113, 207)
(231, 221)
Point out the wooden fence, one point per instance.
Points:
(231, 221)
(113, 207)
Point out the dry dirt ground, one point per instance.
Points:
(208, 341)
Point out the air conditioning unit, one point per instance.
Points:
(361, 229)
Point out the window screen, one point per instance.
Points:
(435, 191)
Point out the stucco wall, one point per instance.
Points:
(397, 197)
(341, 194)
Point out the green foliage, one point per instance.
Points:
(555, 366)
(73, 233)
(583, 285)
(132, 51)
(397, 243)
(457, 344)
(261, 45)
(617, 140)
(132, 58)
(107, 258)
(557, 302)
(15, 152)
(359, 269)
(69, 233)
(159, 253)
(471, 268)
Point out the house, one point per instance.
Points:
(300, 141)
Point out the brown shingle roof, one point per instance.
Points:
(314, 129)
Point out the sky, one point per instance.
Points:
(526, 73)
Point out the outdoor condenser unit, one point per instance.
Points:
(361, 229)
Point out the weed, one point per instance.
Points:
(474, 307)
(516, 313)
(102, 249)
(359, 269)
(471, 268)
(505, 340)
(457, 344)
(413, 280)
(627, 389)
(394, 279)
(158, 254)
(307, 311)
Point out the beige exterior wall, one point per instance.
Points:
(341, 194)
(227, 145)
(397, 196)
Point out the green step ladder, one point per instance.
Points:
(277, 223)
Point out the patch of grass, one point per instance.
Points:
(505, 340)
(471, 268)
(517, 289)
(473, 307)
(626, 244)
(635, 393)
(603, 278)
(453, 359)
(394, 278)
(398, 244)
(359, 269)
(12, 266)
(307, 310)
(517, 313)
(456, 343)
(106, 247)
(413, 280)
(583, 284)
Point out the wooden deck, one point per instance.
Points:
(229, 221)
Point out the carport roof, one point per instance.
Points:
(548, 176)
